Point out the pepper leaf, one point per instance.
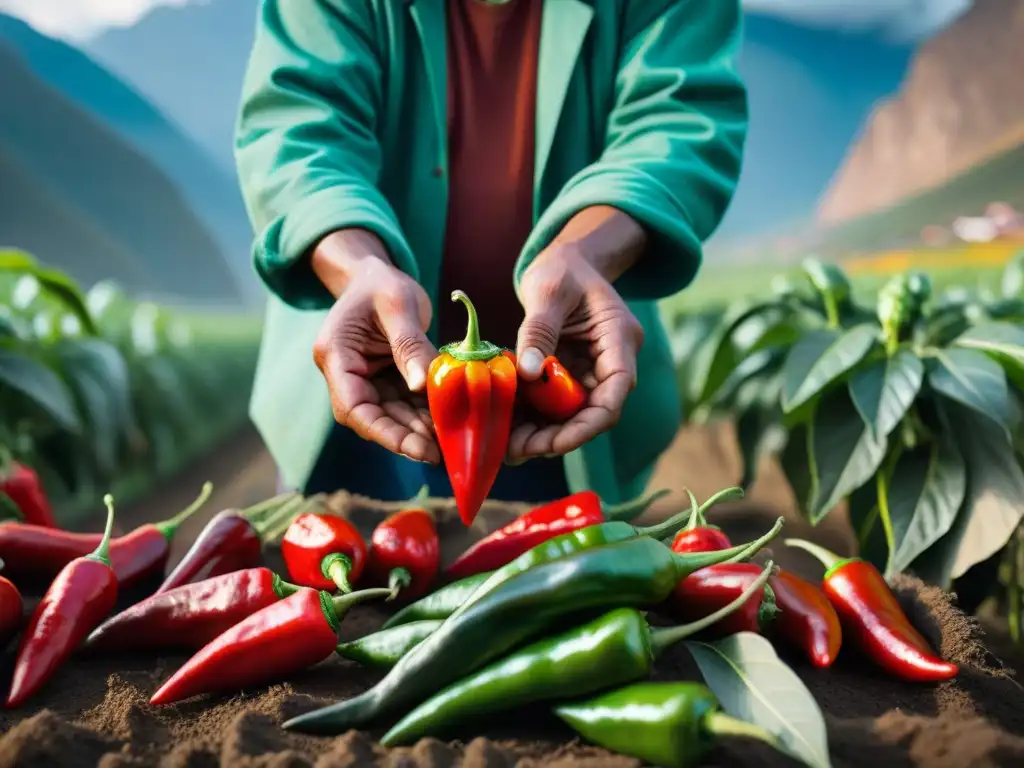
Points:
(820, 358)
(1003, 342)
(973, 379)
(37, 383)
(884, 390)
(991, 510)
(754, 685)
(797, 466)
(843, 450)
(1013, 277)
(759, 429)
(925, 494)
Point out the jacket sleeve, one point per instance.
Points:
(673, 142)
(305, 144)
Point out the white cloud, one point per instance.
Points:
(904, 19)
(81, 19)
(899, 19)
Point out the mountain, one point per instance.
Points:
(81, 198)
(962, 103)
(809, 92)
(211, 189)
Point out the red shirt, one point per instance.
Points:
(492, 87)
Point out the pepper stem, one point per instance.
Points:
(728, 494)
(666, 527)
(302, 506)
(693, 561)
(662, 639)
(769, 609)
(632, 509)
(102, 552)
(696, 518)
(283, 588)
(398, 579)
(472, 347)
(421, 496)
(170, 527)
(830, 560)
(284, 514)
(719, 724)
(334, 607)
(268, 507)
(337, 567)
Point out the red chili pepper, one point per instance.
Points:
(281, 639)
(21, 485)
(555, 394)
(471, 389)
(231, 541)
(807, 620)
(35, 552)
(323, 551)
(408, 540)
(580, 510)
(707, 590)
(190, 616)
(12, 609)
(698, 536)
(81, 596)
(870, 613)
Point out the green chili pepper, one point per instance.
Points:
(900, 304)
(616, 648)
(672, 725)
(633, 573)
(457, 596)
(382, 650)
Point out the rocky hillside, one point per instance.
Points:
(962, 101)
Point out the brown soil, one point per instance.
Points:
(95, 711)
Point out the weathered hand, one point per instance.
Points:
(374, 353)
(573, 312)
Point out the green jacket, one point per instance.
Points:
(342, 124)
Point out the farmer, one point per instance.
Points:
(560, 161)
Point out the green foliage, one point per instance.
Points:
(99, 390)
(911, 410)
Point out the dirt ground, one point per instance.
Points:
(95, 711)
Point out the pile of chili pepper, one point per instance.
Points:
(471, 391)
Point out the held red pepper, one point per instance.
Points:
(190, 616)
(286, 637)
(323, 551)
(871, 615)
(35, 552)
(231, 541)
(12, 609)
(698, 536)
(22, 486)
(81, 596)
(407, 539)
(555, 394)
(707, 590)
(471, 389)
(540, 524)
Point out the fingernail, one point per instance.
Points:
(415, 377)
(531, 361)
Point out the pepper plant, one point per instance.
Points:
(910, 411)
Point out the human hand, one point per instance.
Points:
(573, 312)
(374, 353)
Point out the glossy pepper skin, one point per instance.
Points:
(471, 389)
(579, 510)
(33, 552)
(672, 725)
(698, 536)
(635, 572)
(81, 596)
(407, 539)
(555, 394)
(872, 619)
(12, 609)
(707, 590)
(323, 551)
(615, 648)
(383, 649)
(22, 486)
(190, 616)
(457, 596)
(281, 639)
(231, 541)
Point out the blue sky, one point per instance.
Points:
(78, 20)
